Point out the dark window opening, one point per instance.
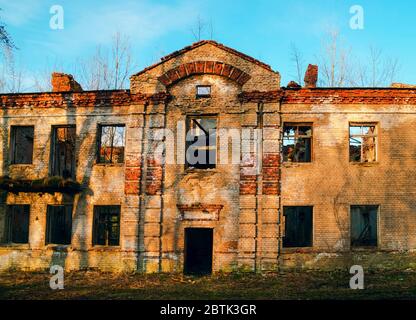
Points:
(17, 224)
(59, 224)
(22, 144)
(297, 143)
(106, 229)
(363, 142)
(63, 151)
(201, 142)
(298, 226)
(203, 91)
(111, 142)
(364, 226)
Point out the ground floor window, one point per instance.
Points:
(59, 224)
(106, 229)
(364, 226)
(17, 224)
(298, 226)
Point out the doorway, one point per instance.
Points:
(198, 251)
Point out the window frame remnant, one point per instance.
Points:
(364, 225)
(301, 139)
(206, 94)
(62, 147)
(298, 224)
(106, 229)
(21, 153)
(102, 159)
(359, 138)
(17, 223)
(194, 128)
(59, 224)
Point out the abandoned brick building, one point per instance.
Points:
(323, 177)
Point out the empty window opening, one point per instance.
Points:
(21, 144)
(364, 226)
(297, 142)
(363, 142)
(203, 91)
(111, 144)
(106, 229)
(298, 226)
(59, 224)
(63, 151)
(17, 224)
(201, 142)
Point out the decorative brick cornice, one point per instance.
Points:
(350, 96)
(261, 96)
(204, 67)
(333, 96)
(102, 98)
(200, 211)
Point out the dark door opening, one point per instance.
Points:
(198, 251)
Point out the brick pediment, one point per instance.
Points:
(204, 67)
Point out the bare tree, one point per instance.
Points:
(339, 67)
(299, 63)
(333, 61)
(198, 29)
(5, 40)
(376, 71)
(11, 76)
(107, 68)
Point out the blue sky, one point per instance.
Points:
(262, 29)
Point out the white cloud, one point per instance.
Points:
(17, 13)
(141, 22)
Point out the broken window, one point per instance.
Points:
(364, 226)
(203, 91)
(17, 224)
(363, 142)
(21, 144)
(201, 142)
(63, 151)
(297, 142)
(111, 144)
(298, 226)
(106, 229)
(59, 224)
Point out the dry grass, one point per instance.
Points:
(289, 285)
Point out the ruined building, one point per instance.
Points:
(285, 177)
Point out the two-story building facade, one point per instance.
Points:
(207, 163)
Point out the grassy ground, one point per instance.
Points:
(289, 285)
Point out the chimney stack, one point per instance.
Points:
(311, 76)
(64, 82)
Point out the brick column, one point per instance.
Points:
(152, 195)
(133, 171)
(270, 197)
(247, 245)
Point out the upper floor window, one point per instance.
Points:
(297, 142)
(63, 151)
(203, 91)
(201, 142)
(111, 143)
(21, 144)
(363, 142)
(364, 226)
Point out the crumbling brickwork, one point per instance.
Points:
(242, 198)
